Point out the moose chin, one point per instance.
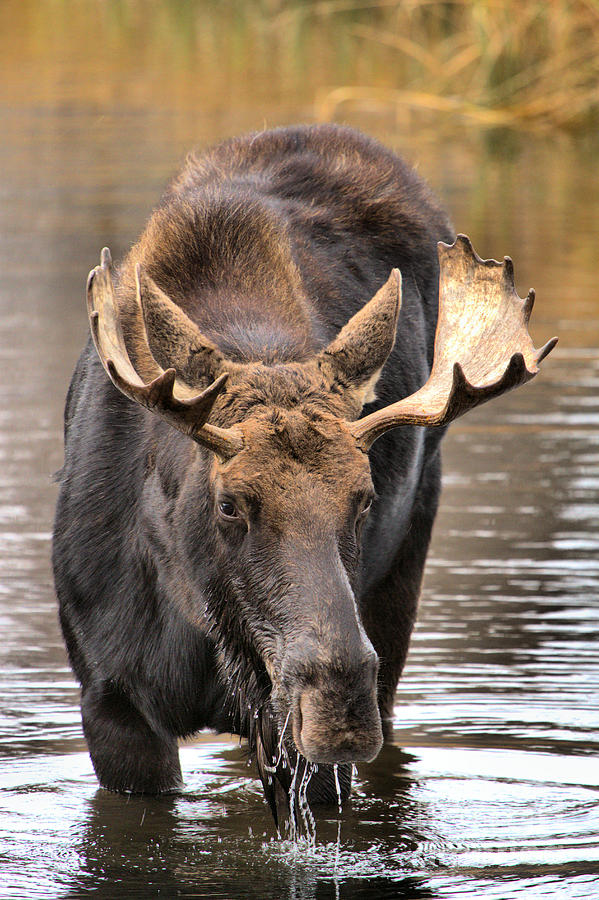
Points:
(252, 454)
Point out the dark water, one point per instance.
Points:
(491, 788)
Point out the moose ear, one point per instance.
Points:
(355, 358)
(174, 339)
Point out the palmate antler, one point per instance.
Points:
(482, 344)
(482, 350)
(164, 393)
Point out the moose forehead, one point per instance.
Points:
(283, 387)
(295, 449)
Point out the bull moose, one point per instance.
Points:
(252, 462)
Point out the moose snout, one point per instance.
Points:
(334, 710)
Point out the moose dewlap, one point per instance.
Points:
(242, 523)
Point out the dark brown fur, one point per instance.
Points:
(177, 618)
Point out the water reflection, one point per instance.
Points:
(448, 817)
(208, 842)
(512, 616)
(496, 790)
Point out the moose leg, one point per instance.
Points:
(389, 610)
(127, 754)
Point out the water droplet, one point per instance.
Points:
(337, 786)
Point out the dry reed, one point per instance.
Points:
(501, 62)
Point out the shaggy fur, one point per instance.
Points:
(175, 618)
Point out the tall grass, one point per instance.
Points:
(511, 62)
(516, 62)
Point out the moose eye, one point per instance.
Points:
(366, 507)
(227, 509)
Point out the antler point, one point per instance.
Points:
(546, 350)
(222, 378)
(466, 245)
(508, 270)
(528, 304)
(166, 378)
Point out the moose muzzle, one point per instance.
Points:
(333, 701)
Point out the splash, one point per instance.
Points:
(305, 811)
(302, 831)
(338, 789)
(293, 833)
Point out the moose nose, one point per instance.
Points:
(326, 736)
(335, 716)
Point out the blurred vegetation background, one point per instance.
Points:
(518, 63)
(495, 101)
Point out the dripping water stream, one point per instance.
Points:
(340, 812)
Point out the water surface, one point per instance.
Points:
(491, 787)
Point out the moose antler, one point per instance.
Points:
(482, 345)
(164, 394)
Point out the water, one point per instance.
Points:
(491, 786)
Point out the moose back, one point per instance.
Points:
(242, 523)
